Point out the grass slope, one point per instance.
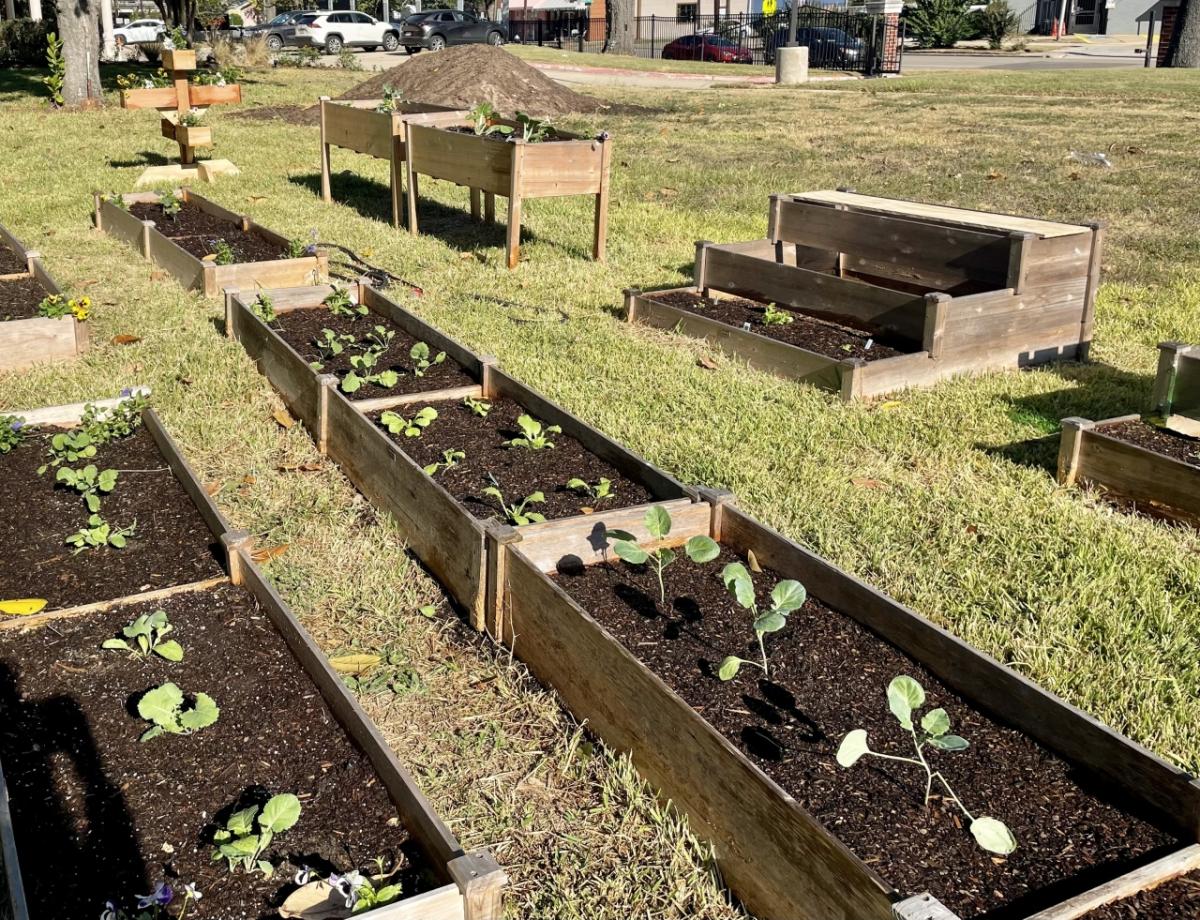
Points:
(966, 524)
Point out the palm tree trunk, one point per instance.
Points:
(1185, 37)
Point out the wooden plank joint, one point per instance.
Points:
(1068, 450)
(481, 881)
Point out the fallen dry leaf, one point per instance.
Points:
(125, 339)
(354, 664)
(752, 561)
(300, 468)
(256, 198)
(864, 483)
(249, 480)
(211, 257)
(267, 553)
(212, 488)
(315, 901)
(995, 174)
(285, 421)
(158, 276)
(707, 363)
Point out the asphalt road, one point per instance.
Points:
(1108, 56)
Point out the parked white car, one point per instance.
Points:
(346, 29)
(139, 31)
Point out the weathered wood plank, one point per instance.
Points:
(70, 414)
(216, 522)
(416, 327)
(23, 624)
(1137, 473)
(28, 342)
(476, 162)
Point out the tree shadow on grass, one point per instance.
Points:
(145, 158)
(1096, 392)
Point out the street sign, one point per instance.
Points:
(769, 7)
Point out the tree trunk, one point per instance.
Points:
(1185, 38)
(80, 32)
(623, 27)
(10, 9)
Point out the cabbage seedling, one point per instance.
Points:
(516, 514)
(773, 316)
(146, 636)
(597, 493)
(450, 459)
(480, 407)
(69, 447)
(164, 707)
(421, 359)
(788, 595)
(88, 482)
(409, 427)
(99, 532)
(11, 435)
(699, 548)
(535, 434)
(223, 253)
(905, 696)
(264, 308)
(363, 372)
(248, 833)
(331, 344)
(339, 304)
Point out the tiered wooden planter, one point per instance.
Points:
(469, 885)
(37, 340)
(778, 859)
(195, 273)
(967, 290)
(1171, 487)
(359, 126)
(513, 169)
(458, 548)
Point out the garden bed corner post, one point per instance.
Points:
(1099, 229)
(513, 245)
(232, 543)
(1163, 397)
(497, 535)
(600, 245)
(937, 311)
(631, 295)
(1068, 451)
(327, 383)
(698, 273)
(482, 882)
(326, 190)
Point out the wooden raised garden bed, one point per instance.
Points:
(186, 246)
(85, 813)
(563, 165)
(885, 294)
(1154, 463)
(26, 337)
(449, 523)
(751, 760)
(361, 127)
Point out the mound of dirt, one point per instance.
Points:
(469, 74)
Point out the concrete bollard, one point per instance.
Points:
(791, 65)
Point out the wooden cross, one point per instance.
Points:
(180, 98)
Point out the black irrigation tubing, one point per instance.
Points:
(563, 316)
(380, 277)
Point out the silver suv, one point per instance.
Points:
(346, 29)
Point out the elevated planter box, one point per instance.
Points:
(197, 273)
(444, 881)
(359, 126)
(954, 291)
(1142, 461)
(457, 546)
(33, 339)
(564, 165)
(779, 859)
(188, 135)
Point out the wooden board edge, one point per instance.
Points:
(71, 413)
(23, 624)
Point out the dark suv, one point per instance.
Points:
(827, 47)
(435, 29)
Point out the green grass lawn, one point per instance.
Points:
(967, 524)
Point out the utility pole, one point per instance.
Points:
(35, 10)
(108, 46)
(793, 23)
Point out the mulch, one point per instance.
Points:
(197, 231)
(1159, 440)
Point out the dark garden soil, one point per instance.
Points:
(10, 262)
(829, 676)
(19, 298)
(821, 336)
(301, 328)
(99, 815)
(1159, 440)
(172, 545)
(196, 231)
(1178, 899)
(519, 471)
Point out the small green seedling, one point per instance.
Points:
(170, 204)
(480, 407)
(533, 130)
(339, 304)
(331, 344)
(450, 459)
(297, 248)
(264, 308)
(699, 549)
(223, 253)
(535, 434)
(146, 636)
(164, 707)
(596, 493)
(391, 101)
(362, 372)
(11, 433)
(69, 447)
(248, 833)
(421, 359)
(787, 597)
(773, 316)
(105, 424)
(409, 427)
(905, 696)
(99, 532)
(88, 482)
(486, 122)
(516, 514)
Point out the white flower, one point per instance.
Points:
(191, 891)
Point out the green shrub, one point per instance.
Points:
(938, 23)
(996, 22)
(235, 20)
(22, 41)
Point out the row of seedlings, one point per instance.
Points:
(459, 452)
(206, 247)
(864, 295)
(38, 323)
(170, 734)
(518, 158)
(846, 757)
(1151, 460)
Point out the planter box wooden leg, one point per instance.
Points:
(1068, 449)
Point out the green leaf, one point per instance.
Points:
(241, 822)
(625, 535)
(240, 848)
(280, 813)
(535, 517)
(151, 733)
(950, 743)
(117, 540)
(202, 715)
(170, 650)
(266, 868)
(387, 894)
(994, 836)
(630, 552)
(658, 522)
(729, 667)
(702, 549)
(221, 835)
(577, 484)
(352, 383)
(535, 497)
(665, 556)
(387, 378)
(904, 695)
(92, 502)
(738, 582)
(431, 469)
(936, 722)
(853, 746)
(769, 622)
(161, 705)
(116, 644)
(788, 595)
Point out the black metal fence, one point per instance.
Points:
(836, 39)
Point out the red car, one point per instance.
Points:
(707, 48)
